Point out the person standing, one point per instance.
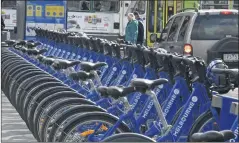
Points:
(2, 24)
(131, 31)
(140, 39)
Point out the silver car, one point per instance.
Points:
(208, 34)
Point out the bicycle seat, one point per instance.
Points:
(32, 45)
(35, 52)
(22, 42)
(88, 66)
(232, 72)
(64, 64)
(10, 42)
(119, 91)
(46, 60)
(212, 136)
(103, 91)
(145, 84)
(4, 44)
(81, 75)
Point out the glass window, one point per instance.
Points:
(78, 5)
(140, 6)
(160, 17)
(214, 4)
(215, 27)
(106, 5)
(184, 28)
(235, 4)
(164, 34)
(174, 28)
(9, 4)
(151, 16)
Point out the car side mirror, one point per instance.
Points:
(153, 37)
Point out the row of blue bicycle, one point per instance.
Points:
(147, 94)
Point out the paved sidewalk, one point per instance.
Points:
(14, 128)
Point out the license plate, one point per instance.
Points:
(230, 57)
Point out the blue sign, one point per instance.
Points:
(45, 14)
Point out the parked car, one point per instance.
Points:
(208, 34)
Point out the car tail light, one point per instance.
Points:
(226, 12)
(188, 49)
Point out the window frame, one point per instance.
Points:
(203, 4)
(178, 28)
(6, 6)
(188, 26)
(150, 13)
(91, 8)
(161, 34)
(145, 8)
(194, 34)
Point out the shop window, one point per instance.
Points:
(78, 5)
(106, 5)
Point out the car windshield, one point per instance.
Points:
(215, 27)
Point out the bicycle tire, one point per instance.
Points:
(28, 84)
(49, 100)
(20, 86)
(100, 116)
(62, 105)
(128, 137)
(33, 103)
(14, 81)
(12, 69)
(12, 72)
(26, 75)
(200, 122)
(25, 101)
(175, 118)
(7, 78)
(32, 85)
(77, 110)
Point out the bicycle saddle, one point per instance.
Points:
(31, 45)
(140, 83)
(46, 60)
(64, 64)
(88, 66)
(4, 44)
(119, 91)
(212, 136)
(10, 42)
(35, 51)
(232, 72)
(103, 91)
(81, 75)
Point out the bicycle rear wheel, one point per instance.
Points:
(205, 122)
(128, 137)
(73, 130)
(54, 111)
(65, 117)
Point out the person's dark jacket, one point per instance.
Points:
(2, 23)
(140, 32)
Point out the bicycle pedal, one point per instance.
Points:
(143, 128)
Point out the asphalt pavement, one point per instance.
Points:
(14, 128)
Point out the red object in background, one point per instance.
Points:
(106, 25)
